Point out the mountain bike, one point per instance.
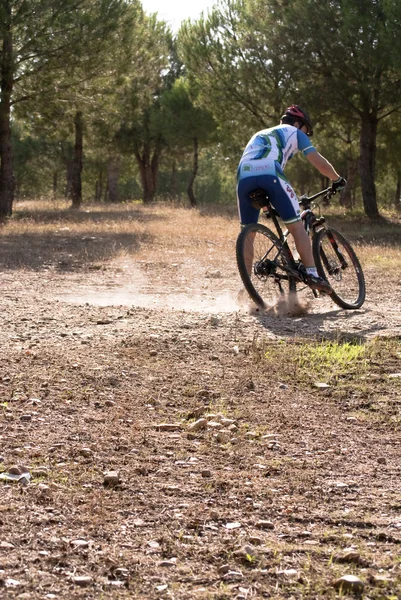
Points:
(267, 265)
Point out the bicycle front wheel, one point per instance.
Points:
(337, 262)
(263, 264)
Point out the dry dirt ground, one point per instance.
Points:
(114, 344)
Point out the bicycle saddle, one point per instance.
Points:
(259, 198)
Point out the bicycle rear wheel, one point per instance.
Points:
(337, 262)
(262, 260)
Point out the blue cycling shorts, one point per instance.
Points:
(281, 196)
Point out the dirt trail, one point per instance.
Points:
(278, 496)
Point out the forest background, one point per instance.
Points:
(102, 102)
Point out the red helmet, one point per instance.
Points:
(298, 114)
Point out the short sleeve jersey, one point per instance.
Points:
(276, 145)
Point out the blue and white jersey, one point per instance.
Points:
(269, 150)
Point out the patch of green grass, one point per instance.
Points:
(364, 376)
(324, 361)
(333, 358)
(301, 361)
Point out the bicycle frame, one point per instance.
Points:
(311, 222)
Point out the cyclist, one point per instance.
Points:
(262, 165)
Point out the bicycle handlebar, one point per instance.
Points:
(328, 192)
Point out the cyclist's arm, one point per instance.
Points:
(322, 165)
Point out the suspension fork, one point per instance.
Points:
(339, 254)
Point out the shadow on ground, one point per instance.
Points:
(68, 216)
(314, 326)
(70, 252)
(66, 248)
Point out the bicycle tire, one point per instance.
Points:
(266, 276)
(345, 276)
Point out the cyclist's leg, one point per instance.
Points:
(286, 204)
(302, 243)
(285, 201)
(247, 213)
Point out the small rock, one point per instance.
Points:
(121, 572)
(206, 473)
(251, 435)
(83, 580)
(215, 321)
(111, 478)
(233, 525)
(288, 572)
(109, 403)
(223, 569)
(6, 546)
(86, 452)
(381, 460)
(19, 470)
(350, 556)
(214, 274)
(79, 543)
(167, 563)
(227, 422)
(222, 437)
(45, 489)
(246, 553)
(255, 541)
(26, 418)
(12, 582)
(198, 425)
(214, 425)
(196, 413)
(265, 524)
(168, 426)
(233, 576)
(305, 534)
(349, 583)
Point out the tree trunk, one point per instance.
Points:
(190, 186)
(367, 164)
(173, 180)
(55, 184)
(99, 186)
(148, 170)
(346, 197)
(76, 188)
(398, 192)
(7, 183)
(113, 173)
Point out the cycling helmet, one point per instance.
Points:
(295, 113)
